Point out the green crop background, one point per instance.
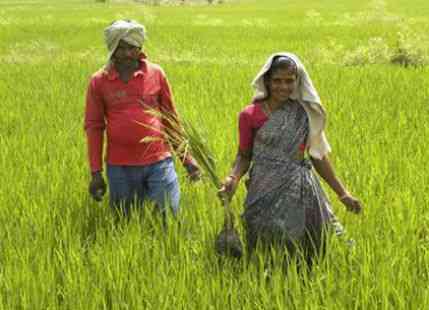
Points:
(59, 249)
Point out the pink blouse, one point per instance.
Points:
(251, 118)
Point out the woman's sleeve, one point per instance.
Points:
(245, 131)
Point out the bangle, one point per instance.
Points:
(234, 177)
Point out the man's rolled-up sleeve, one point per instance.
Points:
(94, 126)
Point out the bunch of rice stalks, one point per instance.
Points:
(185, 139)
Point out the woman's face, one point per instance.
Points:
(281, 84)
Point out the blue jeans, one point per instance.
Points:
(132, 185)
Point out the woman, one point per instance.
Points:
(285, 204)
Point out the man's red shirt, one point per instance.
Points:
(121, 108)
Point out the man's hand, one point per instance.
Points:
(193, 171)
(97, 186)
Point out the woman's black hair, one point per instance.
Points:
(281, 62)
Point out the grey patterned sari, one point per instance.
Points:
(285, 203)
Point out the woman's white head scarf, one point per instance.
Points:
(307, 96)
(127, 30)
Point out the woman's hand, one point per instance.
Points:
(229, 186)
(351, 203)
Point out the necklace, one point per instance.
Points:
(267, 109)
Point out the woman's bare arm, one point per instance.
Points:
(325, 169)
(241, 164)
(240, 167)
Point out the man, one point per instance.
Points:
(121, 98)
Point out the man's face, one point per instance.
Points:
(125, 53)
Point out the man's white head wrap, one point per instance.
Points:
(307, 96)
(128, 30)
